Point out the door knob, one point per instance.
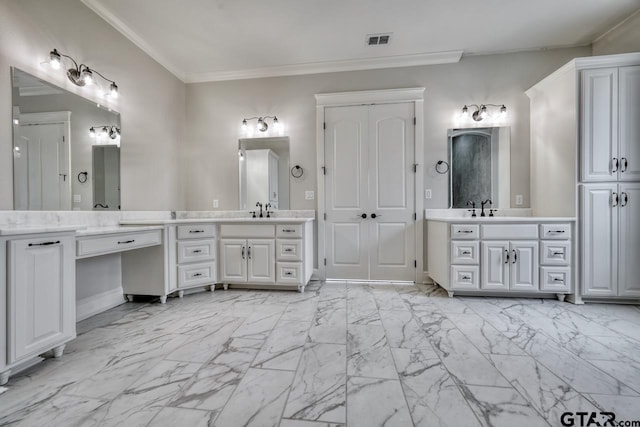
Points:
(363, 216)
(373, 215)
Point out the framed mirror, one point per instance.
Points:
(480, 166)
(263, 165)
(55, 155)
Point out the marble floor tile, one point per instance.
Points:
(402, 330)
(483, 335)
(171, 417)
(319, 387)
(259, 324)
(626, 371)
(258, 400)
(283, 348)
(390, 408)
(62, 410)
(329, 325)
(625, 407)
(303, 423)
(202, 347)
(368, 353)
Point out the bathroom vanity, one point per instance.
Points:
(510, 256)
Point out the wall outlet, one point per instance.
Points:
(309, 195)
(216, 203)
(519, 199)
(427, 193)
(77, 198)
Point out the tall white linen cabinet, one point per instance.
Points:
(585, 162)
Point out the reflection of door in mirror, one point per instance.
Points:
(41, 174)
(262, 177)
(106, 177)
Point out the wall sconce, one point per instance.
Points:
(112, 132)
(262, 124)
(481, 111)
(80, 75)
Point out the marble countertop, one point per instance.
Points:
(115, 229)
(513, 219)
(247, 220)
(13, 230)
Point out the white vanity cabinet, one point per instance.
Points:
(38, 282)
(196, 256)
(526, 256)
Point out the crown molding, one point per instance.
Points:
(126, 31)
(447, 57)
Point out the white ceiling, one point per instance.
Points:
(208, 40)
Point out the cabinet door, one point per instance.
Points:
(629, 123)
(599, 233)
(495, 265)
(41, 294)
(261, 261)
(524, 266)
(629, 234)
(599, 125)
(233, 260)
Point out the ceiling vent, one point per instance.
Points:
(378, 39)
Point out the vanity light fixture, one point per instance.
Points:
(262, 125)
(80, 75)
(480, 112)
(112, 132)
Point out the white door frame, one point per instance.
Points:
(385, 96)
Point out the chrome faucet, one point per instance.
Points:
(266, 208)
(473, 208)
(260, 205)
(489, 202)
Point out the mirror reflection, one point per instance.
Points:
(264, 172)
(55, 163)
(479, 160)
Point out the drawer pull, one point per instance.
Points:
(196, 251)
(288, 273)
(466, 252)
(196, 231)
(288, 230)
(465, 231)
(45, 243)
(288, 250)
(466, 277)
(558, 253)
(556, 279)
(556, 231)
(197, 275)
(506, 252)
(515, 256)
(124, 242)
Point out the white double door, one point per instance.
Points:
(369, 192)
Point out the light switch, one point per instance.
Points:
(77, 198)
(309, 195)
(216, 203)
(427, 193)
(519, 201)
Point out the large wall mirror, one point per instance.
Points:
(263, 165)
(58, 163)
(480, 166)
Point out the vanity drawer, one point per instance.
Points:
(289, 249)
(465, 277)
(510, 231)
(196, 250)
(463, 252)
(555, 279)
(247, 230)
(196, 231)
(555, 253)
(289, 273)
(555, 231)
(93, 246)
(196, 274)
(464, 231)
(284, 230)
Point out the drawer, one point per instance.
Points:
(465, 277)
(284, 230)
(196, 274)
(247, 230)
(555, 231)
(196, 231)
(555, 279)
(289, 249)
(555, 252)
(509, 231)
(463, 252)
(99, 245)
(465, 231)
(289, 273)
(196, 250)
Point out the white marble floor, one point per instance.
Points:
(339, 354)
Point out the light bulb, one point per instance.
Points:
(54, 59)
(87, 76)
(113, 90)
(16, 121)
(465, 111)
(92, 132)
(105, 131)
(483, 111)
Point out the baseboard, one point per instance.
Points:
(95, 304)
(315, 275)
(426, 279)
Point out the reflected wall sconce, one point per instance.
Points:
(80, 75)
(262, 124)
(112, 132)
(481, 112)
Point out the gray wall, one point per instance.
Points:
(152, 101)
(215, 110)
(621, 39)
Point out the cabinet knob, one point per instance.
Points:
(288, 273)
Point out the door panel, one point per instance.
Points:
(599, 234)
(629, 267)
(233, 264)
(495, 265)
(524, 266)
(629, 123)
(261, 261)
